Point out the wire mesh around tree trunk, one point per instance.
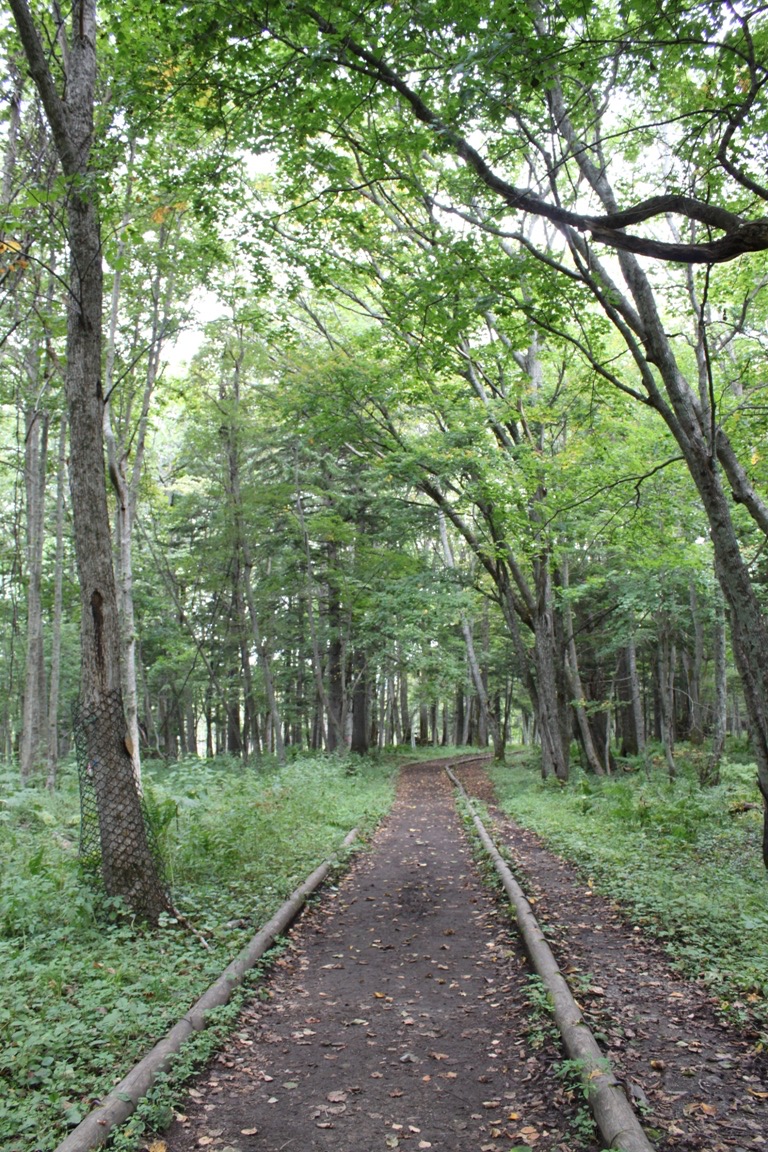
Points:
(118, 847)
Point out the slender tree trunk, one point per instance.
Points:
(335, 655)
(58, 589)
(489, 721)
(32, 751)
(572, 671)
(666, 677)
(360, 704)
(405, 710)
(637, 701)
(694, 670)
(553, 715)
(264, 660)
(710, 773)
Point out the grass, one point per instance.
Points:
(684, 861)
(86, 992)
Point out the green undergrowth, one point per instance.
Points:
(684, 861)
(86, 992)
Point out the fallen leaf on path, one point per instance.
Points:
(248, 1131)
(705, 1109)
(529, 1134)
(439, 1055)
(336, 1097)
(158, 1146)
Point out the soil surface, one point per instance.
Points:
(401, 1014)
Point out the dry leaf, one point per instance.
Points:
(336, 1097)
(158, 1146)
(248, 1131)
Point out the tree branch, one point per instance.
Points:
(741, 237)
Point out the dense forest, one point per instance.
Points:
(381, 377)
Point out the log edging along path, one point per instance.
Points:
(614, 1115)
(123, 1100)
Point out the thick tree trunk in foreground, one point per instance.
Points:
(127, 866)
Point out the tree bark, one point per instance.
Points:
(710, 772)
(58, 589)
(32, 750)
(360, 698)
(127, 866)
(637, 700)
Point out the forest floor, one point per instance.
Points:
(403, 1014)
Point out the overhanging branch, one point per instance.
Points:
(740, 236)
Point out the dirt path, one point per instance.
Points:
(399, 1018)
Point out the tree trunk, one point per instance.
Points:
(666, 676)
(32, 751)
(552, 714)
(128, 868)
(710, 772)
(360, 730)
(58, 578)
(264, 660)
(489, 721)
(572, 671)
(694, 667)
(335, 655)
(637, 700)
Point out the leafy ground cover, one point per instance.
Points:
(684, 861)
(86, 992)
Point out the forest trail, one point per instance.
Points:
(400, 1015)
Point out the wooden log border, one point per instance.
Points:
(615, 1118)
(123, 1100)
